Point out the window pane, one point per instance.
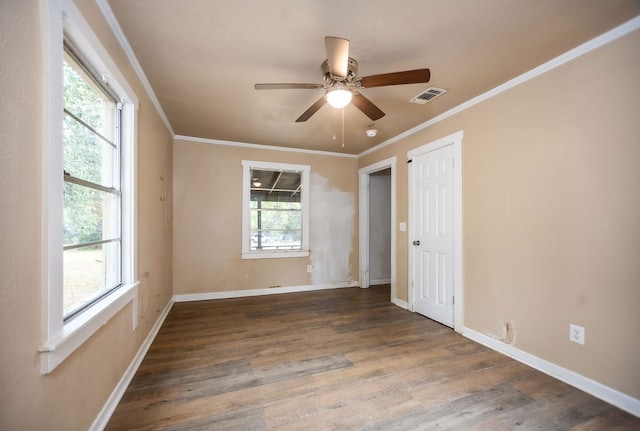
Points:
(275, 186)
(90, 150)
(276, 225)
(89, 272)
(89, 215)
(86, 100)
(277, 212)
(282, 220)
(88, 157)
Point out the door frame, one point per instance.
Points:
(454, 139)
(364, 213)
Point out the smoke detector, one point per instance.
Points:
(427, 95)
(371, 131)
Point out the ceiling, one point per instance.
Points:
(203, 57)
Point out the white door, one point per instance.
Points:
(433, 246)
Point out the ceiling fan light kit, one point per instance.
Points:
(342, 85)
(339, 98)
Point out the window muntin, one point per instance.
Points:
(92, 216)
(276, 215)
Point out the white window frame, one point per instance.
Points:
(247, 253)
(59, 338)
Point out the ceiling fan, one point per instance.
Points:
(342, 84)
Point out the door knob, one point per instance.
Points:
(416, 242)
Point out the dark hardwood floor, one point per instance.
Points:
(343, 359)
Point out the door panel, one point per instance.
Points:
(433, 242)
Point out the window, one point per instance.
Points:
(275, 210)
(92, 257)
(88, 210)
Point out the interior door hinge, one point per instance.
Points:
(454, 301)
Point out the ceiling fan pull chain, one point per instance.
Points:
(342, 127)
(334, 124)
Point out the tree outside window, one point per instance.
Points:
(91, 213)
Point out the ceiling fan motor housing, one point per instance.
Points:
(352, 71)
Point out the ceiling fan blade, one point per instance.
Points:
(337, 55)
(367, 107)
(396, 78)
(312, 110)
(285, 86)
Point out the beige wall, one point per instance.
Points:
(71, 396)
(551, 212)
(208, 217)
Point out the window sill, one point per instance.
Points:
(81, 328)
(274, 254)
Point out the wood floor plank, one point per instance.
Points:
(340, 359)
(448, 389)
(169, 411)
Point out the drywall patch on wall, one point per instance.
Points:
(331, 231)
(506, 332)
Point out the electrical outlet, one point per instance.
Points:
(309, 268)
(576, 333)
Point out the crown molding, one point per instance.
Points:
(572, 54)
(126, 47)
(261, 147)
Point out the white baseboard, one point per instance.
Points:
(105, 414)
(400, 303)
(259, 292)
(379, 281)
(605, 393)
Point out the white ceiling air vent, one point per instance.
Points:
(428, 94)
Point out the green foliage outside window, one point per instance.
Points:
(281, 224)
(84, 157)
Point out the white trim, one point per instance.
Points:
(605, 393)
(400, 303)
(570, 55)
(126, 47)
(51, 218)
(189, 297)
(105, 414)
(458, 265)
(261, 147)
(379, 281)
(363, 223)
(274, 254)
(454, 139)
(129, 188)
(76, 332)
(304, 170)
